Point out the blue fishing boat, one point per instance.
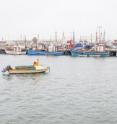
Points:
(89, 54)
(26, 69)
(89, 51)
(42, 52)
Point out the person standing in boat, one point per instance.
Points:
(36, 63)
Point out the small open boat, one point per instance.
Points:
(31, 69)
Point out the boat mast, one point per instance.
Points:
(96, 38)
(73, 37)
(91, 37)
(50, 38)
(63, 37)
(104, 35)
(56, 37)
(2, 38)
(100, 34)
(37, 41)
(38, 37)
(25, 42)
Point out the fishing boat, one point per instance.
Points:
(15, 50)
(89, 54)
(84, 50)
(30, 69)
(43, 52)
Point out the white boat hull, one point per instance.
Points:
(14, 52)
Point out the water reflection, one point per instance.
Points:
(24, 76)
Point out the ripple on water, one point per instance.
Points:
(76, 91)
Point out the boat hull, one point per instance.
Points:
(38, 52)
(90, 54)
(14, 52)
(27, 71)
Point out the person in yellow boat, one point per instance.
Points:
(36, 64)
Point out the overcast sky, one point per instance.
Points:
(44, 17)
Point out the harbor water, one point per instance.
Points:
(77, 90)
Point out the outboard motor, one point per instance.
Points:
(7, 68)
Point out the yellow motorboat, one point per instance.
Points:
(31, 69)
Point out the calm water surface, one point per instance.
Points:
(76, 91)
